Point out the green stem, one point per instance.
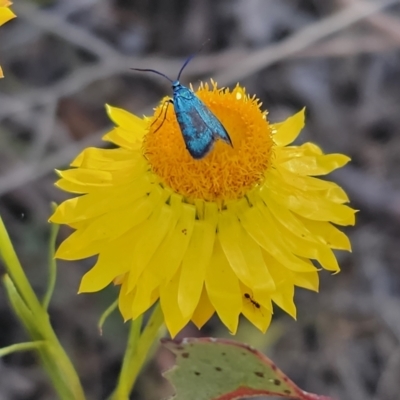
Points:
(106, 314)
(123, 386)
(5, 351)
(36, 320)
(53, 356)
(16, 272)
(52, 266)
(138, 349)
(64, 364)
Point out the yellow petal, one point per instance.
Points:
(93, 205)
(130, 131)
(315, 165)
(311, 149)
(168, 257)
(309, 205)
(257, 267)
(88, 176)
(262, 297)
(72, 187)
(174, 320)
(151, 237)
(320, 209)
(255, 223)
(204, 310)
(94, 178)
(288, 130)
(337, 195)
(98, 174)
(72, 248)
(125, 139)
(143, 300)
(106, 159)
(223, 289)
(307, 280)
(229, 231)
(109, 226)
(283, 154)
(289, 152)
(125, 301)
(243, 253)
(259, 316)
(305, 248)
(331, 190)
(126, 120)
(284, 298)
(328, 234)
(196, 260)
(291, 221)
(6, 15)
(112, 262)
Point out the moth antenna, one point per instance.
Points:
(190, 58)
(152, 70)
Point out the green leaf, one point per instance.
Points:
(220, 369)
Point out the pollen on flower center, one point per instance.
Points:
(226, 172)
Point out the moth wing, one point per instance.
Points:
(200, 127)
(214, 124)
(198, 137)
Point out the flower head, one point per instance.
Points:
(5, 15)
(231, 233)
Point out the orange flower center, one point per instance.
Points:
(226, 172)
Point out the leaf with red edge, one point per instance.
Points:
(220, 369)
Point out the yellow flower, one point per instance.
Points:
(5, 15)
(231, 233)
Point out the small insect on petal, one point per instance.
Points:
(252, 301)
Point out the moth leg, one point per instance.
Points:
(170, 101)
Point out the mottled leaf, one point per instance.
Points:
(220, 369)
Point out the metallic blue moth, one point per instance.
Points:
(199, 126)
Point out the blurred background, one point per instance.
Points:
(64, 59)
